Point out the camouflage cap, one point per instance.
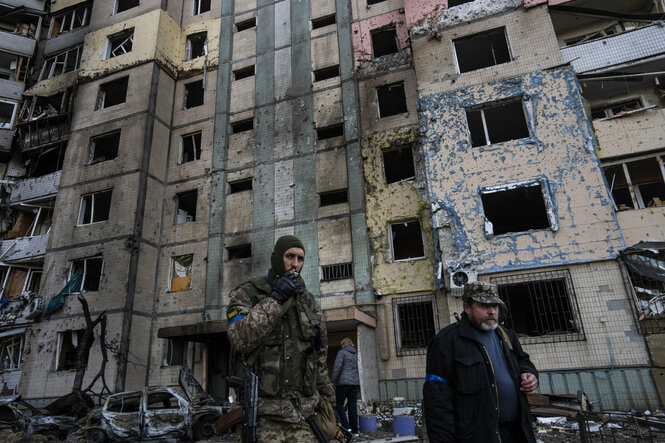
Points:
(482, 292)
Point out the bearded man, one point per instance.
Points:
(477, 376)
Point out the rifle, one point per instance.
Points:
(249, 403)
(316, 429)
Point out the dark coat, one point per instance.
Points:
(459, 395)
(345, 371)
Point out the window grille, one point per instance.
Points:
(338, 271)
(415, 323)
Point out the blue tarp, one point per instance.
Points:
(73, 285)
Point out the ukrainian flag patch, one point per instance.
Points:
(232, 312)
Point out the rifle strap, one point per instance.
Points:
(504, 334)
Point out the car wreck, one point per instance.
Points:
(19, 415)
(184, 412)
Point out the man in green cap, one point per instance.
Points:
(277, 326)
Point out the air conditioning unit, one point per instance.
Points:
(461, 277)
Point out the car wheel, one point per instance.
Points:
(203, 428)
(96, 436)
(51, 435)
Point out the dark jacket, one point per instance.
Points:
(345, 371)
(459, 395)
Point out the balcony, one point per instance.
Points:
(17, 44)
(609, 53)
(30, 4)
(23, 250)
(629, 134)
(43, 132)
(35, 189)
(11, 89)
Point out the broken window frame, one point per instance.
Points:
(7, 273)
(116, 6)
(633, 189)
(11, 350)
(374, 33)
(401, 161)
(61, 63)
(198, 6)
(181, 268)
(401, 108)
(482, 109)
(84, 278)
(336, 271)
(543, 281)
(90, 200)
(119, 43)
(619, 108)
(643, 264)
(170, 352)
(413, 334)
(9, 124)
(94, 156)
(185, 218)
(547, 202)
(391, 237)
(73, 19)
(44, 163)
(109, 87)
(61, 362)
(192, 42)
(493, 49)
(616, 28)
(190, 142)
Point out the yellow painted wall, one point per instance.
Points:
(63, 4)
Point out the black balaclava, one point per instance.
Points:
(283, 244)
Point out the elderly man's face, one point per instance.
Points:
(482, 315)
(294, 258)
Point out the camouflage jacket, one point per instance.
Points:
(291, 363)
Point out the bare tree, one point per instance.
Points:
(83, 350)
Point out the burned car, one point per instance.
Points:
(184, 412)
(19, 415)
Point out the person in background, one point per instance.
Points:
(347, 384)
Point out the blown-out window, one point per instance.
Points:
(482, 50)
(497, 122)
(68, 343)
(636, 183)
(181, 272)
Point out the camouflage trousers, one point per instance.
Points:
(271, 431)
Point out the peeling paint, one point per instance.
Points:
(362, 34)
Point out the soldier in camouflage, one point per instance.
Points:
(276, 324)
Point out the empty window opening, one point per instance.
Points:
(497, 123)
(61, 63)
(181, 272)
(407, 240)
(324, 21)
(91, 269)
(241, 73)
(398, 164)
(338, 271)
(240, 185)
(452, 3)
(242, 126)
(392, 99)
(414, 324)
(11, 348)
(7, 114)
(637, 184)
(161, 400)
(194, 94)
(625, 107)
(540, 305)
(246, 24)
(186, 206)
(374, 2)
(48, 161)
(175, 353)
(95, 207)
(516, 209)
(200, 6)
(123, 5)
(104, 147)
(125, 402)
(326, 132)
(197, 45)
(68, 21)
(34, 279)
(326, 73)
(112, 93)
(384, 41)
(482, 50)
(67, 349)
(190, 145)
(120, 43)
(334, 197)
(239, 251)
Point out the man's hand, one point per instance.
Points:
(284, 287)
(529, 383)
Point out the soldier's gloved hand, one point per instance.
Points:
(284, 287)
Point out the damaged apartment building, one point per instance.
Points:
(153, 151)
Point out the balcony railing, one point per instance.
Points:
(630, 134)
(23, 250)
(45, 131)
(37, 188)
(611, 52)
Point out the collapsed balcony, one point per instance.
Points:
(44, 121)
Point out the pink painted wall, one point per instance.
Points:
(362, 38)
(417, 10)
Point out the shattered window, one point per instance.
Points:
(186, 206)
(636, 184)
(197, 45)
(540, 304)
(200, 6)
(392, 99)
(239, 251)
(398, 164)
(496, 123)
(92, 273)
(645, 263)
(68, 21)
(34, 280)
(125, 403)
(162, 400)
(515, 208)
(7, 113)
(194, 94)
(181, 272)
(123, 5)
(49, 160)
(112, 93)
(414, 324)
(333, 197)
(175, 353)
(338, 271)
(482, 50)
(67, 347)
(11, 348)
(406, 239)
(616, 109)
(61, 63)
(384, 41)
(95, 207)
(190, 147)
(104, 147)
(120, 43)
